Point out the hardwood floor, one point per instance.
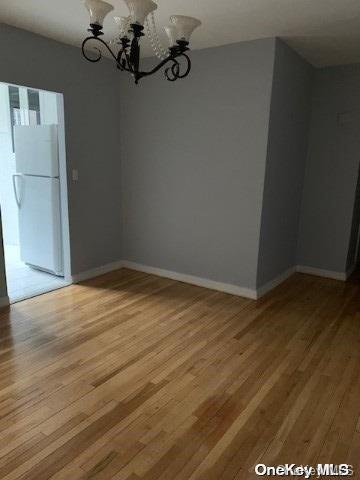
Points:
(131, 376)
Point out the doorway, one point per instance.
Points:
(33, 191)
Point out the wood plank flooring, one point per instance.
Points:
(130, 377)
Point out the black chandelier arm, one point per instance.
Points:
(99, 54)
(129, 66)
(135, 55)
(173, 72)
(188, 67)
(123, 61)
(175, 69)
(119, 59)
(129, 61)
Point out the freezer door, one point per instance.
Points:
(40, 223)
(36, 150)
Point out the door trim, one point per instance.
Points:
(64, 194)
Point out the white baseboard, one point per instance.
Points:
(253, 294)
(342, 276)
(96, 272)
(4, 302)
(275, 282)
(200, 282)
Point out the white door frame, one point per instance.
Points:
(64, 189)
(64, 205)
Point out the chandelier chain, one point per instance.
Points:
(150, 36)
(152, 33)
(164, 51)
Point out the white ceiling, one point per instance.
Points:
(326, 32)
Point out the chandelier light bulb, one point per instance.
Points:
(98, 11)
(140, 9)
(172, 34)
(184, 26)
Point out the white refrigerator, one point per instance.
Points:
(37, 193)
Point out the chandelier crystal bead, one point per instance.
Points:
(123, 24)
(155, 41)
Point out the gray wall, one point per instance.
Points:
(331, 170)
(285, 167)
(211, 166)
(91, 96)
(193, 164)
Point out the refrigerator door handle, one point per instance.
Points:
(18, 198)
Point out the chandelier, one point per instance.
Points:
(130, 30)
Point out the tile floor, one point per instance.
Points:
(25, 282)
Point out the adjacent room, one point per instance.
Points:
(30, 193)
(179, 239)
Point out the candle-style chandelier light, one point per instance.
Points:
(131, 29)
